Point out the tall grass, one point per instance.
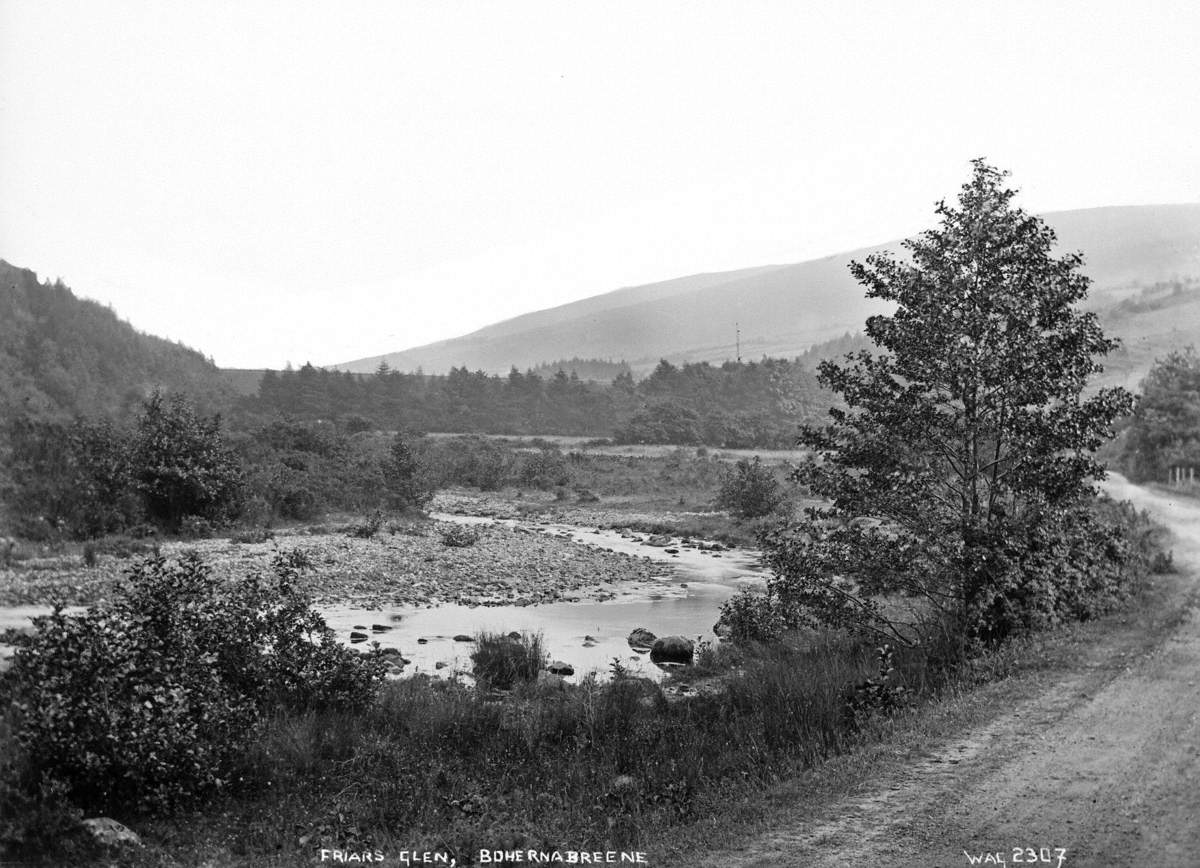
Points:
(445, 765)
(502, 660)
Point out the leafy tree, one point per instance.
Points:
(180, 464)
(408, 484)
(967, 432)
(749, 489)
(1165, 432)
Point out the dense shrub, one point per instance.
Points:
(749, 489)
(751, 616)
(1064, 565)
(459, 536)
(545, 468)
(180, 465)
(68, 480)
(150, 701)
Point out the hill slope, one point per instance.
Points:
(61, 356)
(783, 309)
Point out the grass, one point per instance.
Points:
(443, 765)
(503, 660)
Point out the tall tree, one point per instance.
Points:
(967, 428)
(1166, 425)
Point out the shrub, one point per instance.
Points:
(749, 489)
(749, 616)
(367, 528)
(459, 536)
(500, 661)
(409, 485)
(879, 694)
(149, 701)
(546, 468)
(180, 465)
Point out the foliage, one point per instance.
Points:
(879, 694)
(69, 480)
(731, 405)
(963, 436)
(750, 616)
(151, 700)
(62, 357)
(368, 527)
(459, 536)
(180, 465)
(407, 482)
(749, 489)
(500, 660)
(544, 468)
(1165, 431)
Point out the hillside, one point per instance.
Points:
(61, 355)
(782, 310)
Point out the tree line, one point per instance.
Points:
(731, 405)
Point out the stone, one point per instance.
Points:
(671, 551)
(641, 639)
(422, 641)
(110, 833)
(463, 637)
(380, 628)
(558, 667)
(441, 664)
(659, 540)
(672, 649)
(356, 636)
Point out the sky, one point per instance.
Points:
(306, 181)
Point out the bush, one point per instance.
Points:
(409, 484)
(180, 465)
(368, 527)
(546, 468)
(500, 660)
(749, 489)
(749, 616)
(459, 536)
(151, 700)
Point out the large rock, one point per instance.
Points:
(672, 649)
(110, 833)
(641, 639)
(558, 667)
(659, 540)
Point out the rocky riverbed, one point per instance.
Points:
(512, 565)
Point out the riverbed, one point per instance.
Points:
(678, 590)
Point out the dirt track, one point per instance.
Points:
(1102, 760)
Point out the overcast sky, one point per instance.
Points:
(274, 182)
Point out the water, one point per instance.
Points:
(685, 600)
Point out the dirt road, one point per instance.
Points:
(1099, 765)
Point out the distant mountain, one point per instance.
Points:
(61, 356)
(781, 310)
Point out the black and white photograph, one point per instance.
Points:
(708, 434)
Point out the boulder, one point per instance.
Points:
(659, 540)
(560, 668)
(672, 649)
(463, 637)
(110, 833)
(641, 639)
(422, 641)
(380, 628)
(356, 636)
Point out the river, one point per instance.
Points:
(684, 600)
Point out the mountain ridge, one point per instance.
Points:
(783, 309)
